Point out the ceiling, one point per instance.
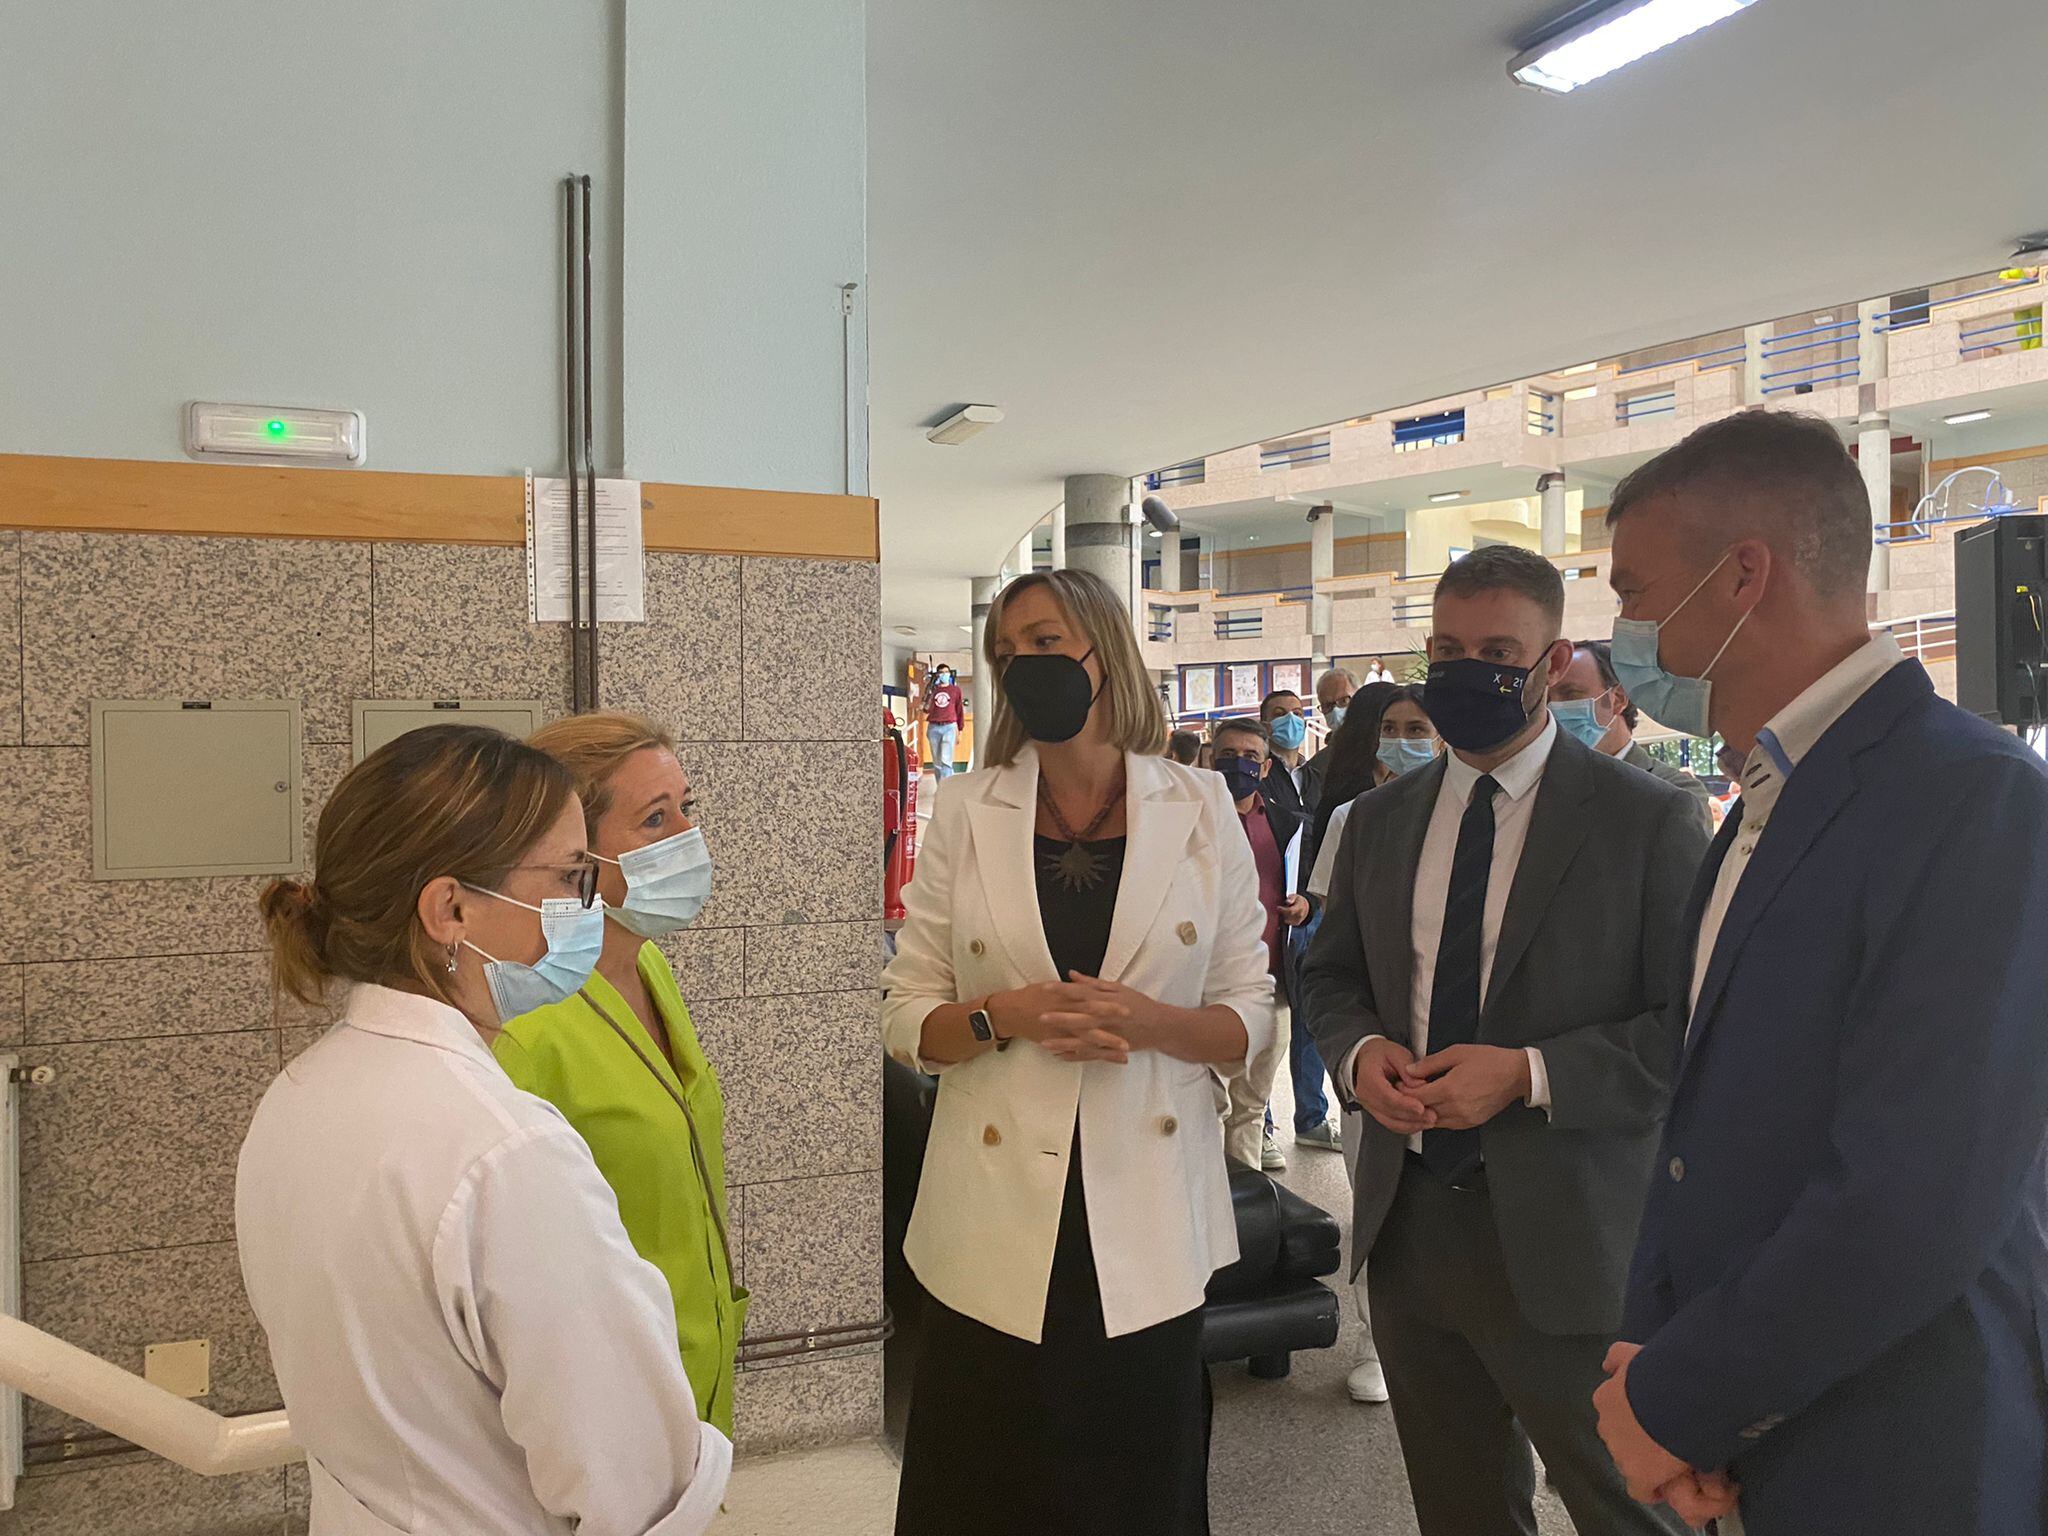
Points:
(1152, 232)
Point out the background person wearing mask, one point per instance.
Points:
(1242, 758)
(1080, 961)
(620, 1058)
(1333, 697)
(1592, 705)
(1841, 1283)
(464, 1338)
(1349, 766)
(943, 710)
(1494, 974)
(1289, 791)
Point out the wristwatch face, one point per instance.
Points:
(979, 1022)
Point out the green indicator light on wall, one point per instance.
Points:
(274, 427)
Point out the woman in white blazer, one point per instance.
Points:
(1081, 959)
(464, 1337)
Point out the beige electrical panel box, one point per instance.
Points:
(379, 721)
(195, 787)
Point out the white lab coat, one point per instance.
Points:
(1188, 930)
(465, 1339)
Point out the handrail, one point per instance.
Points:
(83, 1385)
(1811, 330)
(1954, 298)
(1691, 357)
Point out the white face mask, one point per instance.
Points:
(666, 884)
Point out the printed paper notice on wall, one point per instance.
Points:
(621, 567)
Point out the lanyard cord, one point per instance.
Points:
(689, 1119)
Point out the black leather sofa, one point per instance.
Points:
(1261, 1309)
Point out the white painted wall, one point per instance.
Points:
(359, 206)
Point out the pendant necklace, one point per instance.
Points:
(1079, 868)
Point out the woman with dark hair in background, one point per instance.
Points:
(1349, 761)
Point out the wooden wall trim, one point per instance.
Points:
(261, 502)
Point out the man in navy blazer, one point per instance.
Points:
(1837, 1308)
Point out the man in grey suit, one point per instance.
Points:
(1591, 704)
(1491, 985)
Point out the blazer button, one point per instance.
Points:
(976, 947)
(1677, 1170)
(991, 1137)
(1187, 934)
(1168, 1126)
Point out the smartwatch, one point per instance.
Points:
(984, 1029)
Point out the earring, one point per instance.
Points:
(453, 951)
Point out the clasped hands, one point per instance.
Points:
(1653, 1474)
(1453, 1089)
(1085, 1019)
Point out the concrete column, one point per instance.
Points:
(1059, 537)
(1021, 558)
(1322, 565)
(1873, 347)
(1874, 458)
(1099, 530)
(1753, 364)
(1170, 562)
(980, 685)
(1550, 488)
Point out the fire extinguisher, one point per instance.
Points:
(899, 819)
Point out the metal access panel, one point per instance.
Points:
(184, 788)
(379, 721)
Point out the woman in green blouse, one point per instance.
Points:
(620, 1059)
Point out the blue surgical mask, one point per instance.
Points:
(575, 935)
(1336, 714)
(1289, 732)
(666, 884)
(1402, 754)
(1680, 703)
(1579, 718)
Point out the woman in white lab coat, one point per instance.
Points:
(1083, 954)
(465, 1339)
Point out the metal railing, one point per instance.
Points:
(1193, 472)
(1313, 450)
(2018, 332)
(1630, 409)
(1542, 414)
(1241, 624)
(1923, 313)
(1717, 357)
(1924, 636)
(1832, 334)
(1943, 506)
(1433, 431)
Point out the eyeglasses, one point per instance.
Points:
(585, 870)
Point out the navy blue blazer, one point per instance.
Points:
(1841, 1282)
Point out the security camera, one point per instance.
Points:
(1159, 514)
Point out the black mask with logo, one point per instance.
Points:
(1476, 705)
(1051, 695)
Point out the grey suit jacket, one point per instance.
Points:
(1583, 970)
(1638, 755)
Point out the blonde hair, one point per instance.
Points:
(592, 746)
(461, 800)
(1137, 719)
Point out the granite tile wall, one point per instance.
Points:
(150, 999)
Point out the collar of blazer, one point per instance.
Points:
(1163, 806)
(1820, 785)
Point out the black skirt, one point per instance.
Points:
(1082, 1435)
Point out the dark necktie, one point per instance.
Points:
(1454, 995)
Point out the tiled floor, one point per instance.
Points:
(1292, 1458)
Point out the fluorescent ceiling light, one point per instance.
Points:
(1613, 36)
(964, 423)
(1450, 495)
(1964, 418)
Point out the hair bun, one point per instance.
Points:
(292, 900)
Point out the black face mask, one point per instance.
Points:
(1241, 774)
(1051, 695)
(1476, 705)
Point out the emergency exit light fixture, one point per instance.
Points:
(268, 434)
(963, 424)
(1602, 36)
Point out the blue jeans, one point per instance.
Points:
(940, 740)
(1304, 1062)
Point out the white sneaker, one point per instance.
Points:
(1271, 1158)
(1329, 1136)
(1367, 1383)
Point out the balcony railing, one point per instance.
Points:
(1630, 409)
(1240, 624)
(2019, 331)
(1193, 472)
(1926, 636)
(1434, 431)
(1718, 357)
(1802, 377)
(1294, 453)
(1909, 316)
(1542, 416)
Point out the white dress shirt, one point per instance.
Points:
(1513, 807)
(464, 1338)
(1780, 746)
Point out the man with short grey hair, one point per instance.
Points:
(1836, 1310)
(1491, 985)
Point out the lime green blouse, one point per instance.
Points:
(657, 1132)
